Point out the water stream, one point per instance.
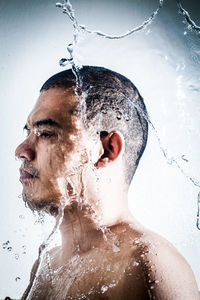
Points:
(72, 60)
(198, 211)
(43, 249)
(67, 8)
(191, 24)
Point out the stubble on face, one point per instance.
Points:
(57, 157)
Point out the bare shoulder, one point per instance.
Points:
(166, 273)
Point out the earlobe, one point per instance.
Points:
(112, 145)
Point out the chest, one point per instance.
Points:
(105, 276)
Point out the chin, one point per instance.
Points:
(41, 204)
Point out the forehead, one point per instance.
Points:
(56, 103)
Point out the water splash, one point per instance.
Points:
(198, 211)
(170, 159)
(110, 238)
(129, 32)
(24, 249)
(68, 9)
(104, 288)
(191, 24)
(16, 256)
(17, 278)
(184, 158)
(45, 244)
(5, 245)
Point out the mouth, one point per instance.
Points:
(25, 175)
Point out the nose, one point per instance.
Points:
(25, 151)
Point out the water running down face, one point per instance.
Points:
(71, 137)
(53, 149)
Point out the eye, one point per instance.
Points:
(27, 131)
(47, 135)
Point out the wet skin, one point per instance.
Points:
(52, 137)
(143, 266)
(126, 262)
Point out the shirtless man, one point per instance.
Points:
(82, 148)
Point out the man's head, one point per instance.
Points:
(104, 121)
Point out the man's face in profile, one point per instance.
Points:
(52, 149)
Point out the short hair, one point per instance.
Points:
(110, 101)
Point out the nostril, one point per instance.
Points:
(25, 151)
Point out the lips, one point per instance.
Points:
(27, 172)
(24, 174)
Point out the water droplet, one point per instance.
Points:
(82, 26)
(184, 158)
(152, 267)
(5, 245)
(103, 110)
(9, 248)
(108, 268)
(16, 256)
(198, 211)
(115, 249)
(64, 61)
(58, 4)
(119, 115)
(185, 32)
(170, 160)
(70, 48)
(152, 287)
(104, 288)
(17, 278)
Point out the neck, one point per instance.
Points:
(79, 229)
(82, 230)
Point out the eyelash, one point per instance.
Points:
(44, 134)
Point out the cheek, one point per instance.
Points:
(51, 159)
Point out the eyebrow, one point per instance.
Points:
(44, 122)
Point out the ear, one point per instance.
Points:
(113, 144)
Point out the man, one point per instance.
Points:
(84, 141)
